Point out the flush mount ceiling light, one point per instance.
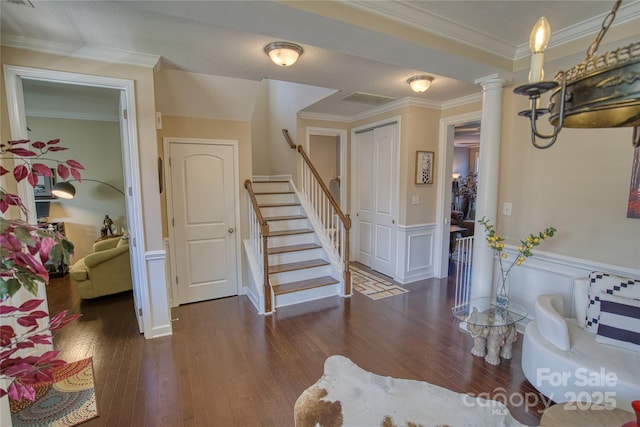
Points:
(420, 84)
(283, 53)
(603, 91)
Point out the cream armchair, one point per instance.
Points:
(106, 271)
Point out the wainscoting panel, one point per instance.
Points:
(547, 273)
(159, 319)
(415, 252)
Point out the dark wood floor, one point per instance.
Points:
(227, 366)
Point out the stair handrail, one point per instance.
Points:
(345, 219)
(261, 250)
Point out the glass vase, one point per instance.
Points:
(502, 291)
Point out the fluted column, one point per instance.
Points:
(487, 193)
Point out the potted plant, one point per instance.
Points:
(25, 249)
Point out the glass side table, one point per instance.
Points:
(493, 329)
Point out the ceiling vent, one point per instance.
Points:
(20, 2)
(368, 98)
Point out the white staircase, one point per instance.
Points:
(299, 269)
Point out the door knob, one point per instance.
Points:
(230, 230)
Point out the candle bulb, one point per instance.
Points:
(538, 41)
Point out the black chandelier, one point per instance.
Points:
(602, 91)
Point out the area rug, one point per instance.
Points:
(68, 400)
(347, 395)
(373, 286)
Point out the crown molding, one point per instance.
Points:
(588, 28)
(69, 115)
(408, 14)
(85, 52)
(464, 100)
(309, 115)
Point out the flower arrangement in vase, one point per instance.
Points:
(25, 250)
(525, 250)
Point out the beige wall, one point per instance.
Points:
(145, 109)
(188, 127)
(580, 186)
(97, 146)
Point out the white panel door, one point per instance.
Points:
(203, 197)
(377, 195)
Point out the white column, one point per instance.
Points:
(487, 196)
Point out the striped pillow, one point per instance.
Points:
(619, 321)
(612, 285)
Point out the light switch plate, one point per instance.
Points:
(506, 209)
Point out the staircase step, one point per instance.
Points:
(277, 205)
(284, 218)
(290, 232)
(273, 192)
(281, 268)
(293, 248)
(302, 285)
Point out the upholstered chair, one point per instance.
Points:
(104, 272)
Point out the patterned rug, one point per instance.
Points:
(373, 286)
(67, 401)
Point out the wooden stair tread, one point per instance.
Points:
(290, 232)
(302, 285)
(300, 265)
(284, 218)
(293, 248)
(277, 205)
(272, 192)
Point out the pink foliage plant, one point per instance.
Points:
(25, 250)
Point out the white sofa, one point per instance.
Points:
(564, 361)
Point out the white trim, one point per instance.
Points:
(55, 114)
(443, 197)
(310, 115)
(13, 77)
(77, 51)
(415, 239)
(167, 141)
(464, 100)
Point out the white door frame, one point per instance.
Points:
(355, 232)
(17, 119)
(167, 141)
(443, 201)
(342, 141)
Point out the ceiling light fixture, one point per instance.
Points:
(420, 84)
(283, 53)
(601, 92)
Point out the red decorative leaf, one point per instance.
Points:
(57, 148)
(21, 152)
(25, 344)
(46, 244)
(6, 335)
(6, 309)
(76, 174)
(3, 171)
(63, 171)
(27, 322)
(20, 172)
(18, 141)
(75, 164)
(53, 141)
(39, 145)
(32, 178)
(4, 206)
(30, 305)
(40, 339)
(42, 169)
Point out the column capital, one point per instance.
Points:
(492, 81)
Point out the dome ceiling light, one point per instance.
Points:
(283, 54)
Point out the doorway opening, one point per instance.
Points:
(16, 78)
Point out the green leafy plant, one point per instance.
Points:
(26, 249)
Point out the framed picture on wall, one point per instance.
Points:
(424, 167)
(42, 190)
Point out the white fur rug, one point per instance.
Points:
(347, 395)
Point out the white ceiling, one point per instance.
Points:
(456, 41)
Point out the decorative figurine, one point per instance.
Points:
(107, 226)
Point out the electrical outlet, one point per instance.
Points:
(506, 209)
(415, 200)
